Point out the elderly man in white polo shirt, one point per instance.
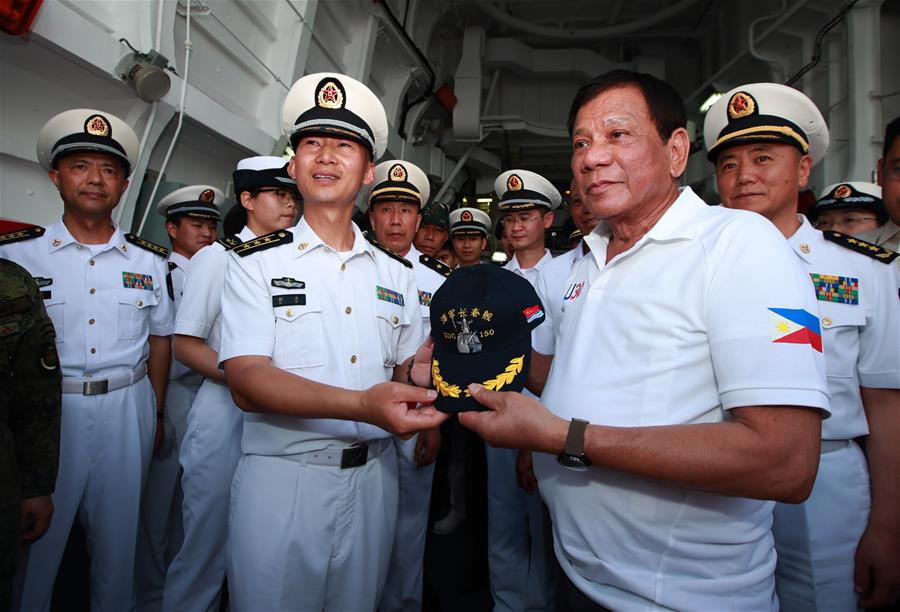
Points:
(687, 386)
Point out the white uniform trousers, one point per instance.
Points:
(816, 540)
(520, 544)
(311, 537)
(104, 452)
(209, 455)
(403, 587)
(160, 533)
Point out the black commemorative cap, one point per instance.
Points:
(481, 323)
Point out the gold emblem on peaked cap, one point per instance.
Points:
(330, 95)
(842, 191)
(513, 183)
(397, 173)
(741, 105)
(207, 195)
(97, 125)
(466, 216)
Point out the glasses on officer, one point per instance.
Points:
(285, 196)
(849, 223)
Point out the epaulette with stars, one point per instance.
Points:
(154, 248)
(263, 242)
(28, 233)
(861, 246)
(435, 264)
(371, 238)
(229, 242)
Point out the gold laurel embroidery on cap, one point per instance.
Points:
(330, 96)
(466, 216)
(441, 386)
(397, 173)
(513, 369)
(97, 125)
(207, 196)
(741, 105)
(513, 183)
(842, 191)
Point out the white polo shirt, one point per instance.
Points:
(861, 323)
(104, 299)
(678, 329)
(357, 318)
(542, 335)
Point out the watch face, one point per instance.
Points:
(573, 462)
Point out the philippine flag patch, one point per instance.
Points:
(533, 313)
(795, 326)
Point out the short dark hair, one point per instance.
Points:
(666, 106)
(891, 132)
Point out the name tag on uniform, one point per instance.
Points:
(840, 289)
(289, 299)
(389, 295)
(286, 282)
(134, 280)
(424, 298)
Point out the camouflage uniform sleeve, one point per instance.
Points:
(35, 390)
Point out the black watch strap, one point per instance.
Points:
(575, 438)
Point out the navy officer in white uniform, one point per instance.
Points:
(395, 200)
(267, 201)
(520, 555)
(764, 138)
(191, 214)
(316, 324)
(687, 385)
(106, 294)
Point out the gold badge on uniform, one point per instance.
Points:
(397, 173)
(207, 196)
(741, 105)
(842, 191)
(513, 183)
(465, 216)
(330, 95)
(97, 125)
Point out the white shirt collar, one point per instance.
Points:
(59, 237)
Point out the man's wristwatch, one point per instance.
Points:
(573, 456)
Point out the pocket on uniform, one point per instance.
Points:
(391, 319)
(841, 324)
(299, 333)
(56, 309)
(133, 313)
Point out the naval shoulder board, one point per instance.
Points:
(229, 242)
(28, 233)
(263, 242)
(861, 246)
(435, 264)
(370, 236)
(154, 248)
